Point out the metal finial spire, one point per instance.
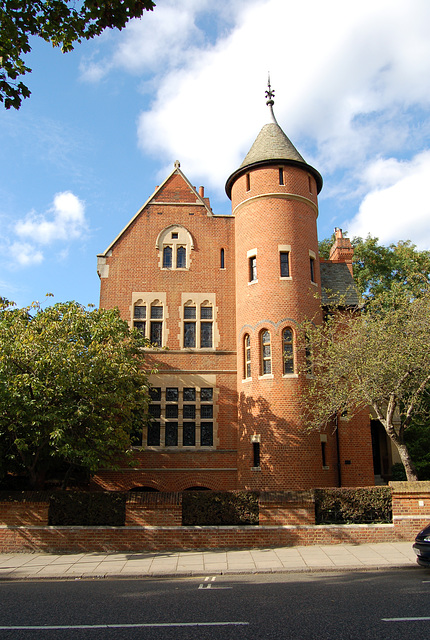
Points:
(270, 93)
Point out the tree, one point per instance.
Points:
(71, 383)
(61, 22)
(378, 358)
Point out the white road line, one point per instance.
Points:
(124, 626)
(404, 619)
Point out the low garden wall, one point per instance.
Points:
(153, 523)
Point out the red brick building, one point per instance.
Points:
(222, 295)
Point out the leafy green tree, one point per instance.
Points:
(377, 267)
(61, 22)
(379, 358)
(71, 383)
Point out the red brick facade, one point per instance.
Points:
(224, 295)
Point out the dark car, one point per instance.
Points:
(422, 547)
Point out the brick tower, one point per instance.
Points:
(274, 201)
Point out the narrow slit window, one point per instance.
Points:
(281, 176)
(256, 454)
(222, 259)
(248, 182)
(312, 268)
(284, 259)
(253, 269)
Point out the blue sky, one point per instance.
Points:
(105, 123)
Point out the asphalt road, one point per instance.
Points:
(386, 605)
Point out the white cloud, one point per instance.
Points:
(345, 75)
(64, 221)
(25, 254)
(397, 207)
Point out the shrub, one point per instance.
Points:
(353, 506)
(72, 508)
(217, 508)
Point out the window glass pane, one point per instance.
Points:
(285, 264)
(156, 333)
(171, 410)
(153, 434)
(139, 312)
(189, 434)
(174, 235)
(181, 255)
(167, 257)
(206, 434)
(206, 394)
(206, 334)
(266, 351)
(155, 410)
(267, 367)
(189, 394)
(312, 267)
(287, 340)
(189, 335)
(190, 411)
(156, 312)
(222, 259)
(172, 394)
(253, 268)
(140, 326)
(206, 313)
(155, 393)
(171, 434)
(189, 313)
(207, 411)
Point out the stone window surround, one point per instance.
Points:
(199, 300)
(183, 239)
(147, 299)
(197, 381)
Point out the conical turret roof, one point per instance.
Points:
(272, 146)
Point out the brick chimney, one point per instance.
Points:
(342, 250)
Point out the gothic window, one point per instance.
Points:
(266, 353)
(181, 258)
(287, 351)
(189, 327)
(167, 257)
(156, 330)
(205, 327)
(139, 316)
(247, 358)
(174, 244)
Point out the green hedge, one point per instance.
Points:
(353, 506)
(218, 508)
(73, 508)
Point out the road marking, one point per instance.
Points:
(404, 619)
(124, 626)
(209, 586)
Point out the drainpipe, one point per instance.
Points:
(339, 470)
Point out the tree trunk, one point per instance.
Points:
(411, 472)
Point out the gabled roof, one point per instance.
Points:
(337, 285)
(176, 171)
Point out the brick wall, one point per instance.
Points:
(154, 526)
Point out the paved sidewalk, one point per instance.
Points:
(25, 566)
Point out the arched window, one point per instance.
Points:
(167, 258)
(266, 353)
(247, 356)
(181, 258)
(288, 351)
